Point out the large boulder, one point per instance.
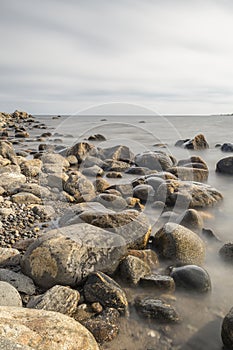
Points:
(154, 160)
(40, 329)
(225, 166)
(189, 173)
(188, 194)
(81, 150)
(118, 152)
(67, 255)
(11, 181)
(80, 187)
(179, 244)
(227, 330)
(197, 143)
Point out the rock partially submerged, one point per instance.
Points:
(225, 166)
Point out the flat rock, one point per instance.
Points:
(9, 296)
(58, 298)
(103, 289)
(41, 329)
(179, 244)
(19, 281)
(48, 259)
(158, 282)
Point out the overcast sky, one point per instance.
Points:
(60, 56)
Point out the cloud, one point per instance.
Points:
(174, 55)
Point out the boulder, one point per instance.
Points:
(119, 152)
(154, 160)
(81, 150)
(7, 151)
(80, 187)
(227, 147)
(25, 198)
(58, 298)
(225, 166)
(31, 167)
(144, 193)
(132, 269)
(188, 194)
(189, 173)
(156, 309)
(41, 329)
(179, 244)
(19, 281)
(56, 159)
(67, 255)
(191, 219)
(191, 277)
(11, 181)
(103, 289)
(9, 296)
(197, 143)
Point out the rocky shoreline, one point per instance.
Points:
(79, 251)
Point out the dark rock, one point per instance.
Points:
(227, 147)
(177, 243)
(158, 282)
(156, 309)
(226, 333)
(197, 143)
(132, 269)
(225, 166)
(191, 277)
(101, 185)
(181, 143)
(226, 252)
(146, 255)
(58, 298)
(114, 175)
(101, 330)
(101, 288)
(97, 137)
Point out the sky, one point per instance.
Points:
(65, 56)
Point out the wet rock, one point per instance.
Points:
(58, 298)
(133, 226)
(188, 194)
(81, 150)
(197, 143)
(7, 151)
(11, 181)
(41, 329)
(190, 174)
(22, 283)
(97, 137)
(226, 252)
(209, 235)
(191, 277)
(95, 170)
(156, 309)
(9, 296)
(227, 147)
(132, 269)
(25, 198)
(154, 160)
(9, 257)
(177, 243)
(146, 255)
(225, 166)
(101, 330)
(192, 220)
(118, 153)
(103, 289)
(158, 282)
(111, 201)
(48, 259)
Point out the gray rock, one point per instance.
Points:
(103, 289)
(44, 211)
(80, 187)
(119, 152)
(8, 344)
(132, 269)
(81, 150)
(9, 257)
(191, 277)
(111, 201)
(9, 296)
(36, 189)
(226, 252)
(177, 243)
(158, 282)
(154, 160)
(56, 159)
(156, 309)
(48, 260)
(225, 166)
(192, 162)
(94, 170)
(192, 220)
(11, 181)
(58, 298)
(189, 173)
(19, 281)
(144, 192)
(41, 329)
